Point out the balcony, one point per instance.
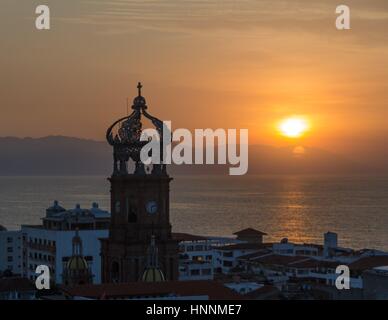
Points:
(42, 247)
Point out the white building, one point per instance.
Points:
(51, 243)
(226, 257)
(198, 255)
(284, 247)
(10, 251)
(247, 241)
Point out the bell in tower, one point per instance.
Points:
(140, 202)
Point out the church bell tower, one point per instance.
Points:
(140, 203)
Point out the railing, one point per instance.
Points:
(42, 247)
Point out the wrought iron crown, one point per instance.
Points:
(124, 135)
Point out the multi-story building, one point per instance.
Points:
(10, 251)
(247, 241)
(284, 247)
(197, 255)
(309, 266)
(51, 243)
(376, 283)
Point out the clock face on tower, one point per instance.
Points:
(151, 207)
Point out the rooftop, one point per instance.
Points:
(369, 263)
(264, 292)
(213, 289)
(187, 237)
(250, 232)
(16, 284)
(254, 255)
(276, 259)
(57, 212)
(245, 246)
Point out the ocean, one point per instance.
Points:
(300, 208)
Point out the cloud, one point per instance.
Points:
(191, 17)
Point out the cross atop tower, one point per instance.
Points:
(139, 86)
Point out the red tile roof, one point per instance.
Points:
(187, 237)
(16, 284)
(254, 255)
(301, 262)
(313, 263)
(250, 232)
(369, 263)
(264, 292)
(213, 289)
(244, 246)
(276, 259)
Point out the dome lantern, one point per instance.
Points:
(152, 272)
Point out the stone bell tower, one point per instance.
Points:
(140, 203)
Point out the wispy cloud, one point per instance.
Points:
(207, 16)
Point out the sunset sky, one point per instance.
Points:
(215, 63)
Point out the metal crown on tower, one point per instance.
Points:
(124, 135)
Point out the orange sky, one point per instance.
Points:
(228, 64)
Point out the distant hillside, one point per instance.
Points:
(57, 155)
(54, 155)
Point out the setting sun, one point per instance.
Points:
(293, 127)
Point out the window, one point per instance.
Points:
(206, 272)
(9, 258)
(115, 271)
(228, 254)
(194, 272)
(9, 240)
(228, 264)
(9, 249)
